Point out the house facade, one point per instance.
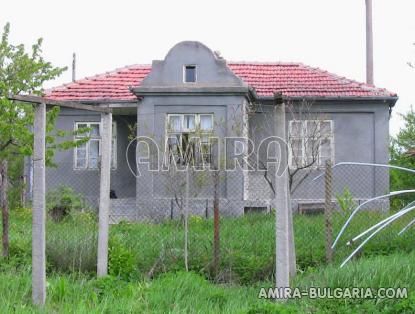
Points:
(195, 93)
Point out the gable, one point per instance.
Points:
(210, 69)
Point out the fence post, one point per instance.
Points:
(104, 195)
(39, 216)
(328, 211)
(282, 229)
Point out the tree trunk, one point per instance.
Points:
(216, 234)
(5, 207)
(291, 243)
(23, 190)
(186, 221)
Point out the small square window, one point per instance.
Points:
(189, 73)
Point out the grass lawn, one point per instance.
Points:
(247, 249)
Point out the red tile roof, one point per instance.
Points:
(289, 79)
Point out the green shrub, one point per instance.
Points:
(23, 213)
(121, 260)
(63, 201)
(346, 201)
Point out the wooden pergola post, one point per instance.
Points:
(104, 195)
(39, 204)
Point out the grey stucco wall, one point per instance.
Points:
(152, 113)
(361, 134)
(211, 70)
(87, 181)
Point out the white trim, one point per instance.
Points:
(169, 133)
(95, 138)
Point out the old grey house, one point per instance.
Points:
(194, 90)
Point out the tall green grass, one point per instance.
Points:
(171, 293)
(71, 244)
(181, 292)
(247, 244)
(396, 271)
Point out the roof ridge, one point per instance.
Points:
(263, 62)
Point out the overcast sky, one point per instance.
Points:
(329, 34)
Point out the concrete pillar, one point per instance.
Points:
(39, 216)
(282, 269)
(104, 194)
(369, 43)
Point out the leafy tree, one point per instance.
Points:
(402, 152)
(23, 72)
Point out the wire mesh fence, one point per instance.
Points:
(361, 187)
(173, 229)
(72, 225)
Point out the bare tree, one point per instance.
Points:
(308, 134)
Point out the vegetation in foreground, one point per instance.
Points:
(147, 250)
(72, 286)
(180, 292)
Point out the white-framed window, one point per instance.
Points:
(87, 156)
(187, 129)
(311, 143)
(190, 73)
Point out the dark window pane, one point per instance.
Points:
(190, 74)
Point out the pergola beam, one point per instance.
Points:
(50, 102)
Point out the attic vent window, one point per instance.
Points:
(189, 74)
